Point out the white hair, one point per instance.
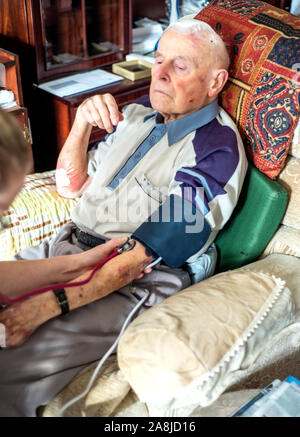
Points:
(189, 26)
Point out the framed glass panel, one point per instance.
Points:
(63, 32)
(104, 26)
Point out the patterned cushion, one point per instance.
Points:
(36, 215)
(262, 93)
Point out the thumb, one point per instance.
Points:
(113, 243)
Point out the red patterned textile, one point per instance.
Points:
(262, 93)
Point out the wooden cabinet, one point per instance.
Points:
(62, 36)
(75, 35)
(55, 38)
(11, 81)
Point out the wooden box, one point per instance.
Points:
(133, 70)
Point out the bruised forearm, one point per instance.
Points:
(117, 273)
(72, 163)
(23, 318)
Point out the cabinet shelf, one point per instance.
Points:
(6, 62)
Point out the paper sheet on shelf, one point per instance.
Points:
(77, 83)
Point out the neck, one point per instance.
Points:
(172, 117)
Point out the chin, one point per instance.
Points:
(158, 105)
(158, 102)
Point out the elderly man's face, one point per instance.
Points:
(179, 75)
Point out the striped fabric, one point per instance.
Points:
(36, 215)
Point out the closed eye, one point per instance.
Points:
(158, 60)
(181, 67)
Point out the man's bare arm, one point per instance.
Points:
(21, 319)
(71, 170)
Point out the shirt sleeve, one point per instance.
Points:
(97, 153)
(202, 196)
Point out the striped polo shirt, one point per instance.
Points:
(172, 186)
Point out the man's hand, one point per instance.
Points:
(21, 319)
(99, 110)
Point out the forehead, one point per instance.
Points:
(188, 46)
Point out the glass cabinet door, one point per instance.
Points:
(76, 30)
(63, 32)
(104, 26)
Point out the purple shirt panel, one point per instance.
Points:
(217, 157)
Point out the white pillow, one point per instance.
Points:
(184, 352)
(290, 179)
(286, 240)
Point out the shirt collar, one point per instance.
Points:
(177, 129)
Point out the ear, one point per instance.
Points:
(217, 82)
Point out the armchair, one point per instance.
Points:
(182, 371)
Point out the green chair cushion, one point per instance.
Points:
(255, 219)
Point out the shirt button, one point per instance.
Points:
(152, 138)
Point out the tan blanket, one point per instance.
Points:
(110, 396)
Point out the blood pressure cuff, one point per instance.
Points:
(175, 231)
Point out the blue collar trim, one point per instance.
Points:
(178, 129)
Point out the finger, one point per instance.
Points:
(115, 114)
(87, 114)
(145, 271)
(99, 253)
(114, 242)
(109, 247)
(93, 114)
(102, 108)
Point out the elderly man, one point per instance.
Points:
(168, 175)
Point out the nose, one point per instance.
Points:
(161, 70)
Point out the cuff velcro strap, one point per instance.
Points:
(62, 300)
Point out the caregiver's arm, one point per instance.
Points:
(21, 319)
(20, 277)
(71, 170)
